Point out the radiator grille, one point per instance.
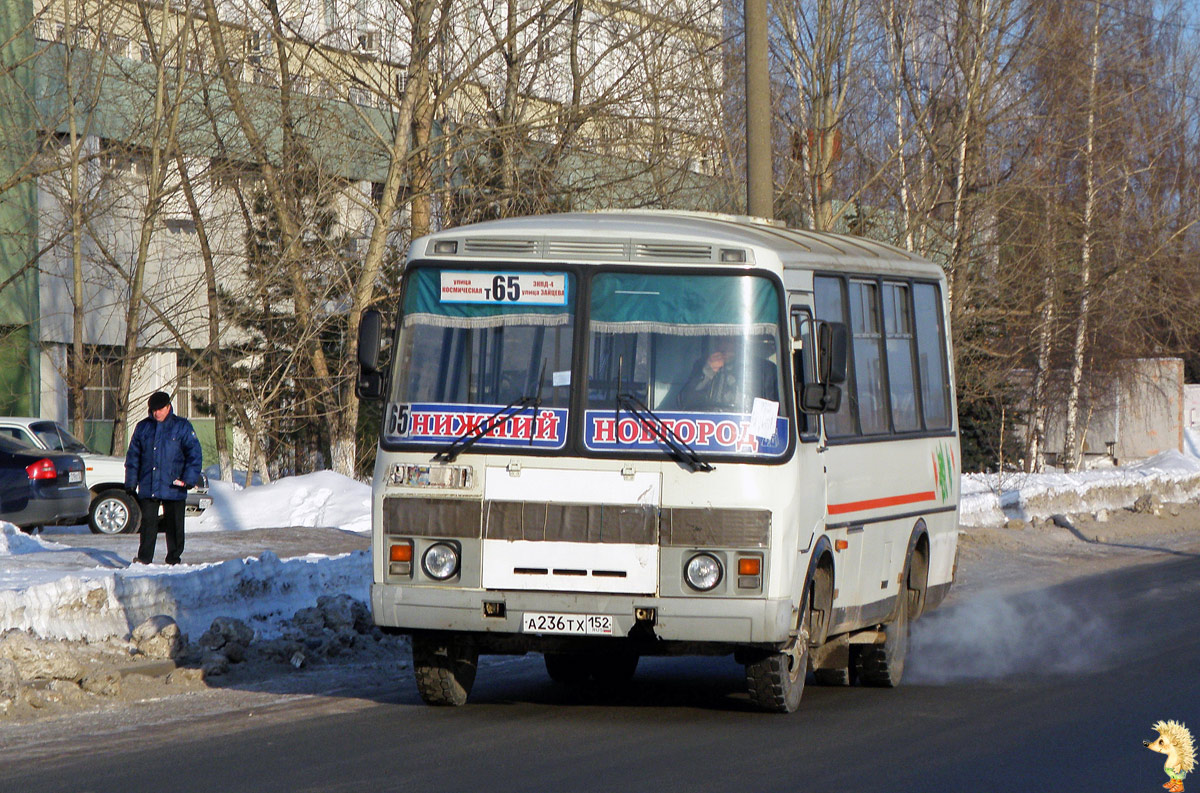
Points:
(544, 522)
(432, 517)
(732, 528)
(538, 521)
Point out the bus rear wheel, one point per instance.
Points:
(444, 668)
(882, 665)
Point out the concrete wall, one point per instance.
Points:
(1136, 415)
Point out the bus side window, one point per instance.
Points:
(931, 356)
(830, 305)
(898, 332)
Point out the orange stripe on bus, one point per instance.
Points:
(876, 503)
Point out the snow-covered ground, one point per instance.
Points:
(64, 592)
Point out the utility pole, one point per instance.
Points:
(760, 201)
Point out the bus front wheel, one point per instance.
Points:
(444, 668)
(776, 681)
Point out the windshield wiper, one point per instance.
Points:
(468, 438)
(680, 449)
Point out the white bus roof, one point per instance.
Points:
(667, 237)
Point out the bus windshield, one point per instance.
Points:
(484, 357)
(701, 352)
(472, 342)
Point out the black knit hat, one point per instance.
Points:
(159, 400)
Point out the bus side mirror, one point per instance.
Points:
(369, 386)
(820, 398)
(832, 344)
(370, 332)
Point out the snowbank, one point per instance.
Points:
(323, 498)
(99, 604)
(992, 499)
(64, 592)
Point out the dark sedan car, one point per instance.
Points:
(39, 487)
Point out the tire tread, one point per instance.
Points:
(444, 671)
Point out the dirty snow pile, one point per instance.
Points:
(63, 592)
(993, 499)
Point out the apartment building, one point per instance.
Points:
(622, 97)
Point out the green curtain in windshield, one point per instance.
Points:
(683, 305)
(423, 305)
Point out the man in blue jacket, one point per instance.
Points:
(162, 462)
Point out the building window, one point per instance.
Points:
(193, 390)
(101, 377)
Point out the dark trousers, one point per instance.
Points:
(171, 522)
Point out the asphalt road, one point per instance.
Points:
(1073, 680)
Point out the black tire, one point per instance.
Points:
(568, 669)
(882, 665)
(444, 668)
(114, 512)
(776, 680)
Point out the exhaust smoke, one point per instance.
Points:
(994, 636)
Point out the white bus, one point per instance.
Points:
(609, 435)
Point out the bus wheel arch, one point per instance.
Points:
(831, 661)
(819, 591)
(916, 570)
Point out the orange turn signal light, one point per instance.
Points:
(840, 545)
(401, 552)
(749, 565)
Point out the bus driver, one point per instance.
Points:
(727, 380)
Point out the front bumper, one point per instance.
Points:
(679, 619)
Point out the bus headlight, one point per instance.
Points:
(440, 561)
(703, 572)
